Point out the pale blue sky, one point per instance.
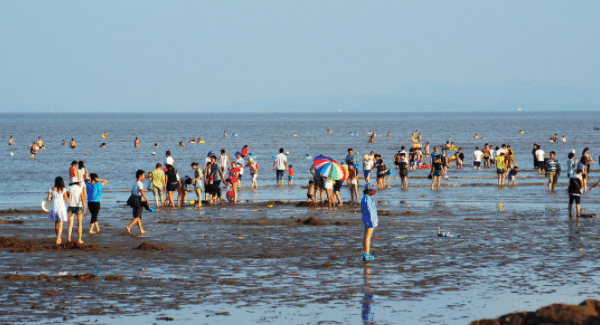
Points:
(126, 55)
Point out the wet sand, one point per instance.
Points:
(255, 258)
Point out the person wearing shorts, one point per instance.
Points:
(552, 167)
(157, 177)
(501, 168)
(477, 155)
(403, 173)
(329, 189)
(369, 218)
(337, 186)
(76, 208)
(135, 201)
(575, 190)
(367, 167)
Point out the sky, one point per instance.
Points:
(106, 56)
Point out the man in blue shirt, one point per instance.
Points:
(353, 159)
(369, 218)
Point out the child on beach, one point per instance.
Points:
(571, 165)
(253, 171)
(76, 207)
(231, 189)
(403, 171)
(58, 212)
(353, 184)
(369, 218)
(311, 191)
(576, 188)
(290, 175)
(136, 203)
(94, 193)
(512, 175)
(197, 181)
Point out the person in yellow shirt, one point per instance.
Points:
(501, 168)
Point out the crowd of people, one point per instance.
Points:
(170, 189)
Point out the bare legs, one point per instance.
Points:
(79, 226)
(367, 240)
(58, 225)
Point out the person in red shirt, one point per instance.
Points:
(291, 175)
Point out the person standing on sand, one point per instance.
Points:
(94, 193)
(253, 171)
(172, 183)
(576, 188)
(217, 175)
(159, 184)
(553, 170)
(224, 162)
(367, 167)
(353, 184)
(540, 155)
(436, 173)
(58, 212)
(137, 193)
(586, 160)
(76, 207)
(197, 182)
(240, 163)
(319, 184)
(501, 168)
(477, 155)
(11, 142)
(534, 157)
(280, 165)
(369, 218)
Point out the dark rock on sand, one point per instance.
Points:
(149, 247)
(310, 221)
(587, 313)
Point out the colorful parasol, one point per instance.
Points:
(330, 168)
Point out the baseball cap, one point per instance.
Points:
(210, 153)
(238, 153)
(370, 186)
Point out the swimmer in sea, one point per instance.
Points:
(155, 145)
(11, 142)
(371, 139)
(198, 141)
(105, 134)
(389, 134)
(136, 143)
(103, 145)
(563, 139)
(64, 143)
(40, 144)
(224, 134)
(329, 131)
(33, 149)
(181, 144)
(73, 144)
(476, 137)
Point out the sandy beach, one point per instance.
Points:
(258, 259)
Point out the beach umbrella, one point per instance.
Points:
(329, 168)
(321, 160)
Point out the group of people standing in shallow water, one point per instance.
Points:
(85, 190)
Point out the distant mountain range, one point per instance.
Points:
(418, 97)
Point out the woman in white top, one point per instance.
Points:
(76, 207)
(58, 212)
